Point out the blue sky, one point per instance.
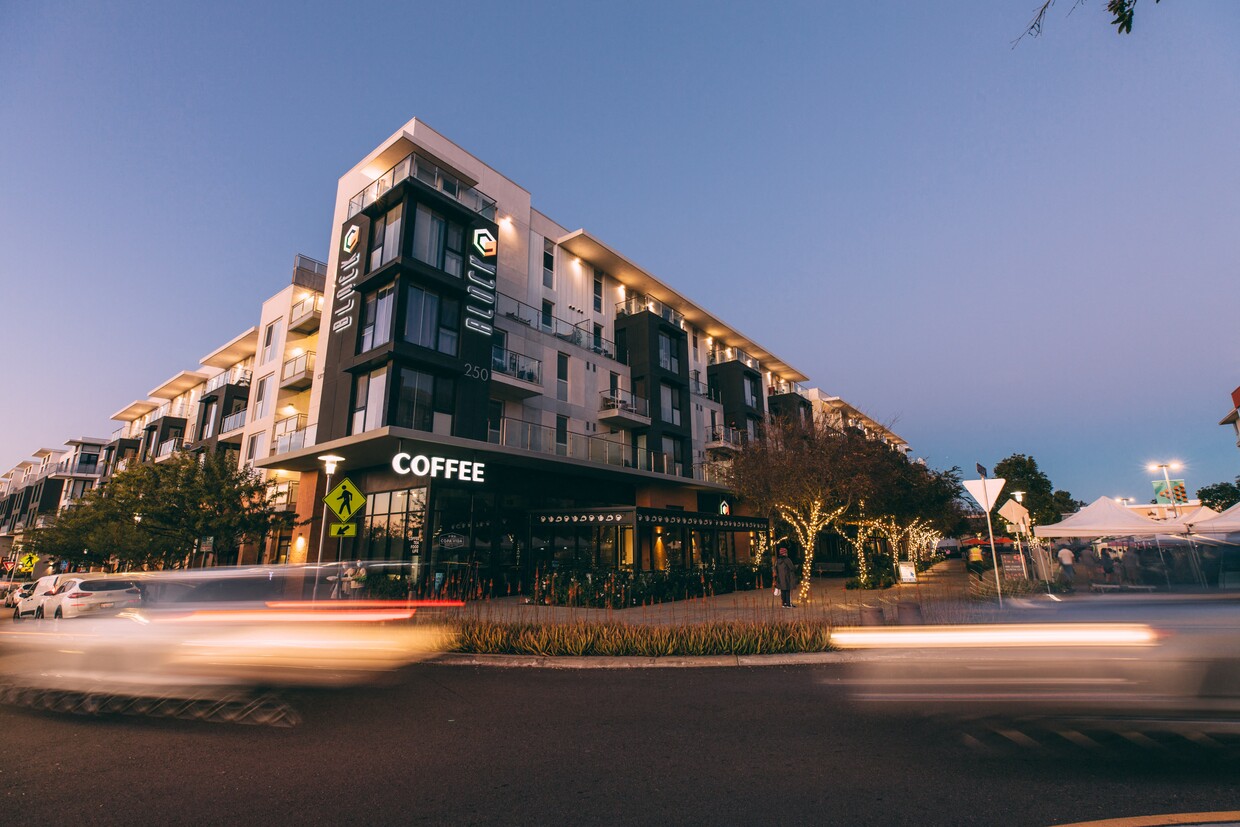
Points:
(996, 249)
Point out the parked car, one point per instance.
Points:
(87, 594)
(16, 592)
(32, 604)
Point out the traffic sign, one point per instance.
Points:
(27, 562)
(8, 565)
(344, 529)
(345, 499)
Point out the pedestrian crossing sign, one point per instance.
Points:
(344, 529)
(345, 499)
(27, 562)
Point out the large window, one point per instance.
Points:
(438, 241)
(262, 397)
(548, 263)
(669, 408)
(392, 525)
(385, 238)
(432, 321)
(270, 337)
(561, 435)
(367, 410)
(598, 290)
(377, 319)
(548, 314)
(419, 396)
(751, 391)
(561, 377)
(669, 353)
(254, 447)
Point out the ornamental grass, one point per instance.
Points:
(487, 637)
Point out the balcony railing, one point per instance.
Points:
(411, 166)
(528, 436)
(234, 421)
(702, 389)
(516, 365)
(284, 496)
(289, 434)
(733, 354)
(168, 447)
(638, 303)
(723, 436)
(297, 365)
(519, 311)
(304, 262)
(622, 400)
(310, 304)
(76, 466)
(232, 376)
(179, 411)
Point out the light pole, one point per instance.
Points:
(330, 461)
(1174, 466)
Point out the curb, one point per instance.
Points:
(670, 662)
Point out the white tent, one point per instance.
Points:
(1188, 519)
(1225, 523)
(1102, 518)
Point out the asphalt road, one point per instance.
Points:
(471, 745)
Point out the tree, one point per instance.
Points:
(1065, 503)
(1123, 11)
(1023, 474)
(1220, 496)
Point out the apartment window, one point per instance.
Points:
(87, 463)
(613, 383)
(438, 241)
(561, 377)
(253, 447)
(598, 291)
(262, 397)
(669, 353)
(269, 342)
(751, 391)
(385, 238)
(377, 319)
(432, 321)
(548, 263)
(207, 430)
(548, 310)
(695, 346)
(367, 411)
(751, 428)
(598, 338)
(415, 400)
(673, 454)
(495, 420)
(561, 435)
(669, 408)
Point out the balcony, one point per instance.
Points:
(515, 375)
(528, 436)
(723, 438)
(76, 466)
(289, 434)
(234, 421)
(167, 448)
(284, 496)
(699, 388)
(623, 409)
(733, 354)
(233, 376)
(638, 303)
(167, 410)
(518, 311)
(298, 372)
(411, 166)
(305, 315)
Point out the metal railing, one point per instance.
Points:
(289, 434)
(167, 447)
(298, 364)
(168, 409)
(308, 305)
(508, 307)
(622, 400)
(516, 365)
(411, 166)
(637, 303)
(723, 435)
(284, 496)
(234, 421)
(232, 376)
(304, 262)
(529, 436)
(702, 389)
(732, 354)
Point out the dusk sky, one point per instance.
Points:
(993, 249)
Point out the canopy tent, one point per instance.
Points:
(1188, 520)
(1225, 523)
(1102, 518)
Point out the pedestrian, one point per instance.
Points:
(785, 574)
(355, 580)
(1067, 562)
(1130, 564)
(1108, 564)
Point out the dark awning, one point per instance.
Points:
(636, 515)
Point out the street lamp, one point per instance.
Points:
(1174, 466)
(330, 461)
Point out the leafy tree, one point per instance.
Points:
(1123, 12)
(1023, 474)
(1220, 496)
(1065, 503)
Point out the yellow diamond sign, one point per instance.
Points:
(345, 499)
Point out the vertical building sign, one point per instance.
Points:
(340, 344)
(348, 269)
(480, 291)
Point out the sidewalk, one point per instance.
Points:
(941, 594)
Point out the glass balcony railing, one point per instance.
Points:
(234, 421)
(168, 447)
(638, 303)
(508, 307)
(516, 365)
(289, 434)
(284, 496)
(180, 411)
(307, 306)
(733, 354)
(721, 435)
(702, 389)
(411, 166)
(297, 365)
(622, 400)
(304, 262)
(528, 436)
(232, 376)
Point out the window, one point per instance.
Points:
(561, 377)
(269, 342)
(598, 338)
(669, 399)
(548, 309)
(438, 241)
(254, 446)
(415, 393)
(613, 383)
(367, 410)
(598, 290)
(432, 321)
(262, 397)
(751, 391)
(669, 353)
(207, 430)
(385, 238)
(751, 428)
(561, 435)
(548, 263)
(673, 455)
(377, 319)
(695, 346)
(495, 420)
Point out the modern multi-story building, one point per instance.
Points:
(509, 394)
(38, 488)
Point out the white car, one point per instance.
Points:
(86, 594)
(12, 595)
(32, 604)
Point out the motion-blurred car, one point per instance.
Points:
(15, 593)
(32, 604)
(91, 595)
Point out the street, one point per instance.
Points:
(474, 745)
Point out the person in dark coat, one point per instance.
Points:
(785, 576)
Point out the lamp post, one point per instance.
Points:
(1174, 466)
(330, 461)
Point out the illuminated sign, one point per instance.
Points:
(449, 469)
(348, 268)
(485, 243)
(481, 276)
(350, 239)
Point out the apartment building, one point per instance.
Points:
(38, 488)
(510, 394)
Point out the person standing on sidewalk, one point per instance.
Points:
(785, 574)
(1067, 562)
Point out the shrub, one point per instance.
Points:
(608, 588)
